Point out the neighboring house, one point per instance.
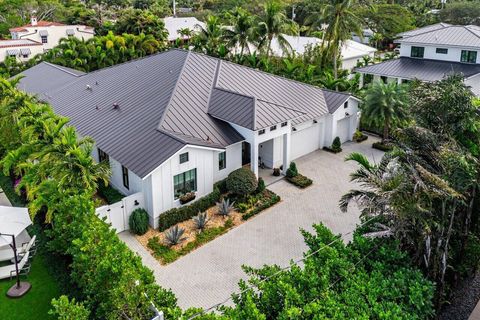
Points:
(174, 24)
(351, 51)
(431, 53)
(49, 33)
(179, 121)
(20, 49)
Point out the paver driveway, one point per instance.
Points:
(210, 274)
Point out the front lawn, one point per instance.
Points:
(36, 303)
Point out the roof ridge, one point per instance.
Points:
(173, 92)
(281, 106)
(64, 69)
(443, 24)
(468, 29)
(233, 92)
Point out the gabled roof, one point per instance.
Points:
(421, 69)
(144, 111)
(429, 28)
(11, 43)
(463, 36)
(41, 23)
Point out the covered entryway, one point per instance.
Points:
(306, 140)
(343, 129)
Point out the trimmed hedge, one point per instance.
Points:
(300, 181)
(175, 215)
(242, 182)
(382, 146)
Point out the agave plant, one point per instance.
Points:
(174, 235)
(225, 207)
(201, 220)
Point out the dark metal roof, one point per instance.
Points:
(143, 111)
(464, 36)
(421, 69)
(335, 99)
(429, 28)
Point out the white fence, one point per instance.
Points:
(117, 214)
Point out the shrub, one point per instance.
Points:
(187, 197)
(300, 181)
(201, 220)
(336, 145)
(224, 207)
(358, 136)
(242, 182)
(382, 146)
(64, 309)
(242, 207)
(292, 170)
(221, 186)
(269, 198)
(260, 186)
(109, 193)
(173, 216)
(138, 221)
(174, 235)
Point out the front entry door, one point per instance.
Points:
(245, 153)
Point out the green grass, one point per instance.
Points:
(36, 303)
(6, 185)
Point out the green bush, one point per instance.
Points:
(300, 181)
(65, 309)
(138, 221)
(242, 182)
(358, 136)
(260, 186)
(336, 145)
(292, 170)
(221, 186)
(382, 146)
(269, 198)
(173, 216)
(109, 193)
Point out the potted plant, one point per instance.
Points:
(187, 197)
(276, 172)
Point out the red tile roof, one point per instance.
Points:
(11, 43)
(40, 23)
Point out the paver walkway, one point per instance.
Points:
(210, 274)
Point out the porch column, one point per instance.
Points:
(399, 81)
(254, 157)
(286, 151)
(361, 80)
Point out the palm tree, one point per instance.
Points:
(340, 20)
(274, 24)
(210, 38)
(384, 105)
(241, 32)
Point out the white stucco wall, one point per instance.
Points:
(453, 54)
(234, 161)
(55, 33)
(33, 49)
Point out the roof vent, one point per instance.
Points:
(96, 83)
(116, 106)
(88, 87)
(97, 107)
(294, 129)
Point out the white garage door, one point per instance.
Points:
(343, 129)
(305, 141)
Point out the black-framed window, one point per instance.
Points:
(222, 160)
(103, 156)
(417, 52)
(261, 132)
(273, 128)
(184, 182)
(284, 124)
(184, 157)
(345, 105)
(441, 50)
(44, 39)
(125, 177)
(384, 79)
(468, 56)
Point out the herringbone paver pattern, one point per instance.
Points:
(211, 273)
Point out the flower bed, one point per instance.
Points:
(300, 181)
(154, 240)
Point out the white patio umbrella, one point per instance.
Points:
(13, 221)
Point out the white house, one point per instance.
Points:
(179, 121)
(49, 33)
(174, 24)
(20, 49)
(431, 53)
(351, 51)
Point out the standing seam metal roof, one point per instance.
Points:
(463, 36)
(164, 102)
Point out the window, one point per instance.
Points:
(25, 56)
(184, 157)
(417, 52)
(345, 105)
(125, 177)
(384, 79)
(468, 56)
(441, 50)
(103, 157)
(261, 132)
(222, 160)
(273, 128)
(185, 182)
(284, 124)
(44, 39)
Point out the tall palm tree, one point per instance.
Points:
(385, 105)
(241, 33)
(274, 24)
(339, 19)
(210, 38)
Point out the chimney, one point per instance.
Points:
(33, 19)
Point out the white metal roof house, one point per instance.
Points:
(352, 51)
(174, 24)
(49, 33)
(431, 53)
(179, 121)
